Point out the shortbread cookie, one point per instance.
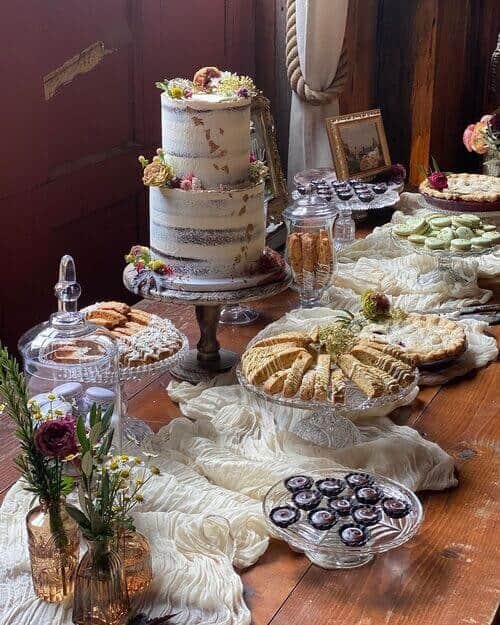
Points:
(111, 315)
(264, 369)
(139, 316)
(401, 372)
(338, 386)
(256, 355)
(393, 350)
(104, 322)
(306, 391)
(296, 373)
(118, 307)
(298, 338)
(322, 377)
(275, 383)
(391, 385)
(369, 384)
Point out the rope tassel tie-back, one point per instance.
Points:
(295, 76)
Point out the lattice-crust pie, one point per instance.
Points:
(466, 187)
(427, 338)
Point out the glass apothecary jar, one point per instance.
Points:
(67, 360)
(309, 247)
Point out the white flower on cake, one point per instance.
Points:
(209, 81)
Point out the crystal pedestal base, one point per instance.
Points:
(327, 429)
(238, 315)
(338, 561)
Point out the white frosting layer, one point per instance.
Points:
(209, 138)
(209, 233)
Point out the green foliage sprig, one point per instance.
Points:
(95, 493)
(43, 475)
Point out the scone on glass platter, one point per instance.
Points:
(375, 351)
(330, 364)
(143, 338)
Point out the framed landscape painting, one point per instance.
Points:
(358, 144)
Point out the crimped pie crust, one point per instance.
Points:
(427, 338)
(466, 187)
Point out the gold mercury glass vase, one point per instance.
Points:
(100, 596)
(135, 551)
(53, 544)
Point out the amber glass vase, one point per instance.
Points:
(53, 544)
(100, 590)
(135, 552)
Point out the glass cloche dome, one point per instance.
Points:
(71, 364)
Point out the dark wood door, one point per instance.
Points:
(78, 106)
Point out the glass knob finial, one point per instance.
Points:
(67, 289)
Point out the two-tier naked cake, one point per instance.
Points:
(206, 202)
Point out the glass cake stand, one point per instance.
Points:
(208, 359)
(331, 425)
(447, 270)
(135, 430)
(325, 548)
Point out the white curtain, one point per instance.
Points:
(320, 34)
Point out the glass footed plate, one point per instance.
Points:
(402, 243)
(383, 200)
(355, 400)
(159, 366)
(324, 547)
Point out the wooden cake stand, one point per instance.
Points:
(208, 359)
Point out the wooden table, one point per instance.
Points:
(444, 576)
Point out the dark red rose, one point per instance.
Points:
(270, 260)
(57, 438)
(438, 180)
(397, 173)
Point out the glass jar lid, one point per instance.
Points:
(67, 347)
(309, 207)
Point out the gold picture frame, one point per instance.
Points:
(264, 146)
(358, 144)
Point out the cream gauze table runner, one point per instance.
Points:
(203, 513)
(378, 262)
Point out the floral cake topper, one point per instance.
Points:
(212, 80)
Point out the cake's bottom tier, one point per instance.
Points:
(208, 235)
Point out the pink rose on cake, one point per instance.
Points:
(190, 183)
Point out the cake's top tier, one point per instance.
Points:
(207, 136)
(206, 126)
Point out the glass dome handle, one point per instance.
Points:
(67, 289)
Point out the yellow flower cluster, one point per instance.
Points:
(230, 83)
(157, 173)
